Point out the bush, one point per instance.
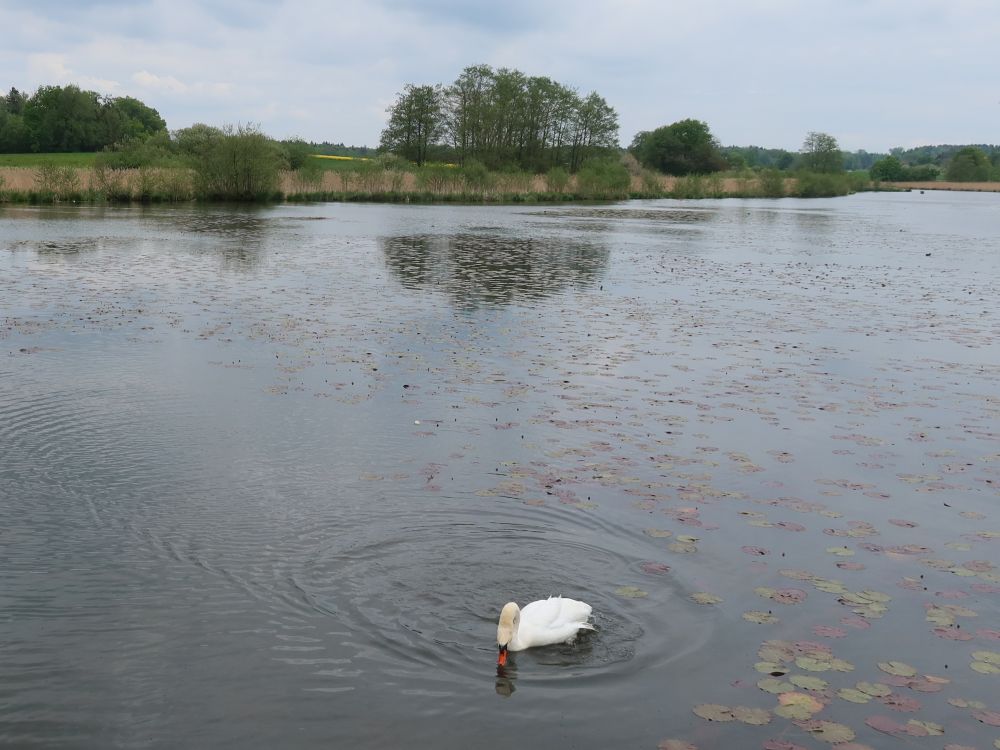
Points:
(824, 185)
(132, 153)
(922, 173)
(651, 183)
(309, 176)
(57, 183)
(242, 164)
(435, 178)
(771, 183)
(889, 169)
(297, 153)
(110, 184)
(391, 163)
(515, 181)
(691, 186)
(604, 178)
(557, 180)
(476, 178)
(969, 164)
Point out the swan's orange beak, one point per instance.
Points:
(502, 656)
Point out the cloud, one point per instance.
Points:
(169, 84)
(52, 69)
(145, 79)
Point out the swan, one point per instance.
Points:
(541, 623)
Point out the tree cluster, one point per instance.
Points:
(501, 118)
(683, 148)
(66, 118)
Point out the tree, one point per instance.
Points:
(889, 169)
(969, 164)
(197, 140)
(14, 101)
(66, 118)
(685, 147)
(820, 153)
(595, 129)
(138, 119)
(415, 123)
(502, 119)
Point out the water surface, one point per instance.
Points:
(268, 475)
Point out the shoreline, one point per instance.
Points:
(24, 185)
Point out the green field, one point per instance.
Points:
(37, 160)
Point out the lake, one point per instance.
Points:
(267, 475)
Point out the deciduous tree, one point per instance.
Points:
(821, 153)
(415, 123)
(685, 147)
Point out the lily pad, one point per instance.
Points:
(753, 716)
(990, 657)
(897, 668)
(808, 682)
(703, 598)
(984, 667)
(853, 695)
(631, 592)
(775, 686)
(828, 731)
(988, 717)
(658, 533)
(761, 618)
(810, 664)
(840, 551)
(874, 689)
(713, 712)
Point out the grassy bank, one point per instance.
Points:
(40, 160)
(397, 182)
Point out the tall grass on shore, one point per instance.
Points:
(241, 167)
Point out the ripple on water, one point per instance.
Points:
(423, 594)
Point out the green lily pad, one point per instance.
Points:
(769, 667)
(631, 592)
(897, 668)
(713, 712)
(658, 533)
(927, 726)
(991, 657)
(703, 598)
(754, 716)
(874, 689)
(682, 547)
(811, 664)
(853, 695)
(808, 682)
(984, 667)
(775, 686)
(761, 618)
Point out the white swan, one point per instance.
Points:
(541, 623)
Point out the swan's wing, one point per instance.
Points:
(553, 620)
(571, 610)
(555, 610)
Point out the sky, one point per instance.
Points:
(873, 73)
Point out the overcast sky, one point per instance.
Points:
(874, 73)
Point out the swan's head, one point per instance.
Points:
(510, 615)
